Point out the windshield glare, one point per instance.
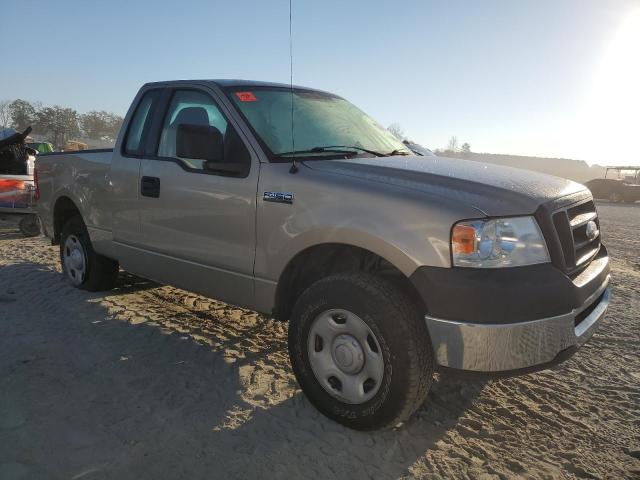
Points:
(320, 120)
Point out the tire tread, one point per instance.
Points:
(409, 330)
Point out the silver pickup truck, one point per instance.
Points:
(294, 203)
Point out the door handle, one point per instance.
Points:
(150, 187)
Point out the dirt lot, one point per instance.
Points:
(150, 382)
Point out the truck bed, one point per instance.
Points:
(84, 177)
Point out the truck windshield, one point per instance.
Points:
(321, 120)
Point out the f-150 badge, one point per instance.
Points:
(278, 197)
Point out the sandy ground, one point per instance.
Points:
(150, 382)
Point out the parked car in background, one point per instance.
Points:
(386, 264)
(617, 190)
(75, 145)
(40, 147)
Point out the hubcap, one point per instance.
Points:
(345, 356)
(75, 260)
(348, 354)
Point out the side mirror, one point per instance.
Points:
(201, 142)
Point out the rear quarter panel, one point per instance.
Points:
(83, 177)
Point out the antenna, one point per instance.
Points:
(294, 167)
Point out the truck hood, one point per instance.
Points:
(495, 190)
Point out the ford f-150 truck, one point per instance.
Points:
(292, 202)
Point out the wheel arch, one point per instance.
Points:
(64, 209)
(318, 261)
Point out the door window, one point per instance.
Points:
(193, 107)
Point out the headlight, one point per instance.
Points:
(499, 242)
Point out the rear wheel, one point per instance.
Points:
(82, 266)
(360, 350)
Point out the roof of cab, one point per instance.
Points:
(231, 83)
(235, 83)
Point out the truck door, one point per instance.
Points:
(125, 172)
(198, 224)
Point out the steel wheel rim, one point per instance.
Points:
(75, 260)
(345, 356)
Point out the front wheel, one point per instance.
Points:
(361, 351)
(82, 266)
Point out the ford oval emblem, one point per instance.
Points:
(592, 230)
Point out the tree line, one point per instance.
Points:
(59, 124)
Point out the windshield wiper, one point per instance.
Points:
(332, 149)
(341, 149)
(315, 150)
(397, 151)
(360, 149)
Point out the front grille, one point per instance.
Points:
(571, 228)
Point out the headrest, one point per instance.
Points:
(192, 116)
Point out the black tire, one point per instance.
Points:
(399, 326)
(29, 226)
(101, 272)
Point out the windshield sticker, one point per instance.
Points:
(246, 96)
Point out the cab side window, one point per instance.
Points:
(141, 118)
(196, 110)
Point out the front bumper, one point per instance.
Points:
(512, 319)
(515, 346)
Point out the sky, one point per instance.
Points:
(556, 78)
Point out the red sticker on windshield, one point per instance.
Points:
(246, 96)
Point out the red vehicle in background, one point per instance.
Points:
(17, 186)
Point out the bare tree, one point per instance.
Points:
(5, 113)
(397, 131)
(452, 146)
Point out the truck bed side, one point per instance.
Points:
(82, 178)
